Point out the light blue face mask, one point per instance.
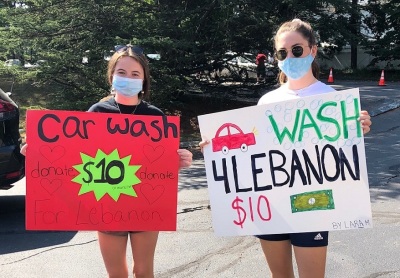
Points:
(128, 87)
(296, 68)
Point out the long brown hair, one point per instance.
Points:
(141, 59)
(305, 29)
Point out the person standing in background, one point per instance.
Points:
(261, 70)
(271, 59)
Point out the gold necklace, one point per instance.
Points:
(133, 112)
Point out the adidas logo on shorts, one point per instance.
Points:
(318, 237)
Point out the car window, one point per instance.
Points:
(224, 132)
(251, 59)
(243, 60)
(234, 130)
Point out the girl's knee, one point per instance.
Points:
(118, 274)
(143, 271)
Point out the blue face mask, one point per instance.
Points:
(128, 87)
(296, 68)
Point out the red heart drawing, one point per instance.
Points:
(152, 154)
(52, 154)
(152, 193)
(50, 186)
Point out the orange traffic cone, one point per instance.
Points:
(382, 80)
(330, 78)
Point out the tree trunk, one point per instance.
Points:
(355, 30)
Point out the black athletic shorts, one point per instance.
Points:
(312, 239)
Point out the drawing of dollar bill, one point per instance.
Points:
(314, 200)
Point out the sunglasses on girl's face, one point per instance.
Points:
(135, 49)
(297, 51)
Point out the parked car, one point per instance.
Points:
(12, 163)
(39, 63)
(30, 66)
(12, 63)
(238, 67)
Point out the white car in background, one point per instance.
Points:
(240, 67)
(245, 65)
(12, 63)
(38, 64)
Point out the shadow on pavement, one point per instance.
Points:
(193, 177)
(14, 237)
(383, 157)
(383, 193)
(376, 100)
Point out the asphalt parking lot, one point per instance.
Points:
(195, 251)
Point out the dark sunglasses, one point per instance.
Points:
(135, 49)
(297, 51)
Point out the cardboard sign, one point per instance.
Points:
(287, 167)
(101, 171)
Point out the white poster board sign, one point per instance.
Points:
(286, 167)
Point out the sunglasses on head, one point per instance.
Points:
(297, 51)
(135, 49)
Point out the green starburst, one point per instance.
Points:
(106, 174)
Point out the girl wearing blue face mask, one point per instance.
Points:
(128, 75)
(296, 49)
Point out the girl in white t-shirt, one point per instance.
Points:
(296, 48)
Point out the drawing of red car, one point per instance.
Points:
(234, 139)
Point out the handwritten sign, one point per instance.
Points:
(99, 171)
(285, 167)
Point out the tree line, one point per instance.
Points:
(187, 34)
